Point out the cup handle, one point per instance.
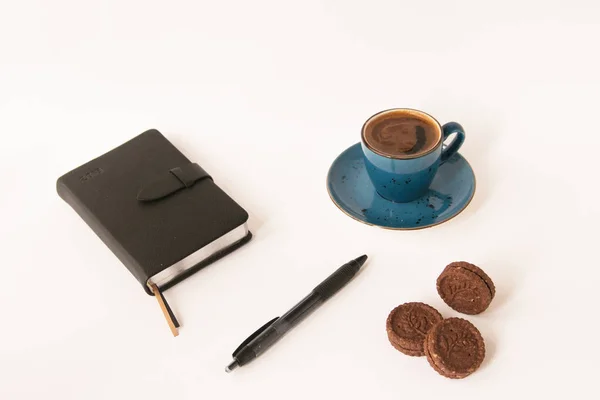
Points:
(449, 129)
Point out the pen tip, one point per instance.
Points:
(361, 260)
(234, 364)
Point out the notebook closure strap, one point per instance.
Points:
(172, 181)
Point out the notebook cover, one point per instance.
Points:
(149, 237)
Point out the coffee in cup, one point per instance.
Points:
(403, 150)
(401, 133)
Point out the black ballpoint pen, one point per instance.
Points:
(273, 330)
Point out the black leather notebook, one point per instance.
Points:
(163, 216)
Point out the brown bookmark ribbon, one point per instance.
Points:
(164, 306)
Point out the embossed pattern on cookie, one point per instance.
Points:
(454, 348)
(408, 324)
(466, 288)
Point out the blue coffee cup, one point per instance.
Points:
(404, 177)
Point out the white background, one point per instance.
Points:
(265, 95)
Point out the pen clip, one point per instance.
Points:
(254, 335)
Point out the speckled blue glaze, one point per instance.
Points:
(403, 180)
(353, 192)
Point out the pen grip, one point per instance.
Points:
(337, 280)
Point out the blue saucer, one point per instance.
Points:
(351, 190)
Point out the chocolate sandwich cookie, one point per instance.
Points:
(408, 324)
(454, 348)
(466, 288)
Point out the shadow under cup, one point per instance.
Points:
(405, 177)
